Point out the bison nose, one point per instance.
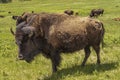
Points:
(20, 57)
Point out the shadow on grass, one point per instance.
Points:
(89, 69)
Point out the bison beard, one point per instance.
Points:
(52, 34)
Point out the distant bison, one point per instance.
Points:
(1, 16)
(76, 13)
(96, 12)
(69, 12)
(116, 19)
(9, 12)
(53, 34)
(32, 11)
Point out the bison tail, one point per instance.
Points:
(102, 35)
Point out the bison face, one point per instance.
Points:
(28, 45)
(18, 19)
(22, 18)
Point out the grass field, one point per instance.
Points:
(70, 69)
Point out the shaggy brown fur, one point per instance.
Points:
(53, 34)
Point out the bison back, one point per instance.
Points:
(75, 34)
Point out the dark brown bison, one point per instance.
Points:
(76, 13)
(53, 34)
(9, 12)
(1, 16)
(32, 11)
(69, 12)
(96, 12)
(116, 19)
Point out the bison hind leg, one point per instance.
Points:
(87, 54)
(97, 50)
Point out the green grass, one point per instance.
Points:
(70, 69)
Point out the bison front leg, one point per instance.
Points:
(55, 59)
(87, 54)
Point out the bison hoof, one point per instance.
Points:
(98, 62)
(82, 65)
(54, 70)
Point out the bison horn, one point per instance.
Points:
(12, 31)
(28, 30)
(21, 25)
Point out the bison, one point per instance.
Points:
(52, 34)
(96, 12)
(69, 12)
(1, 16)
(116, 19)
(76, 13)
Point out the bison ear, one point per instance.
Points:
(14, 17)
(30, 31)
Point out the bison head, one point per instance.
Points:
(19, 19)
(28, 44)
(22, 18)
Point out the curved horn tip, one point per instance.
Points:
(13, 33)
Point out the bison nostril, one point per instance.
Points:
(20, 57)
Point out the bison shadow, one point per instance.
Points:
(89, 69)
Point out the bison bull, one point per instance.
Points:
(52, 34)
